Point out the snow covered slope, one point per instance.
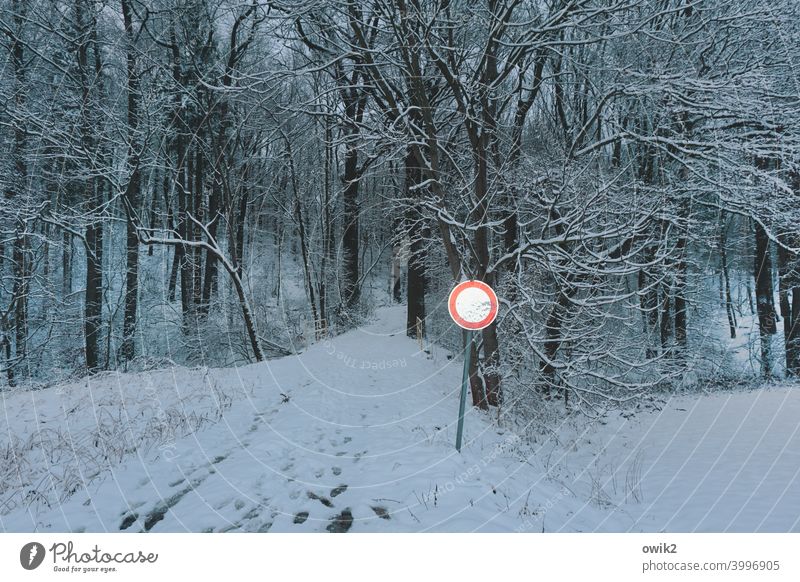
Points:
(356, 434)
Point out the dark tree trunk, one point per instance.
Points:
(723, 252)
(241, 220)
(350, 237)
(66, 263)
(681, 274)
(182, 261)
(15, 192)
(94, 290)
(327, 230)
(765, 302)
(476, 385)
(666, 317)
(415, 313)
(184, 233)
(307, 270)
(648, 304)
(93, 193)
(784, 276)
(491, 349)
(177, 257)
(524, 104)
(132, 193)
(793, 341)
(552, 342)
(152, 219)
(197, 212)
(5, 347)
(354, 99)
(789, 294)
(20, 293)
(210, 274)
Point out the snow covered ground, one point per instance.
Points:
(356, 434)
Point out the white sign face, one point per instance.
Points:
(473, 305)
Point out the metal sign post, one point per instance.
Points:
(464, 384)
(473, 306)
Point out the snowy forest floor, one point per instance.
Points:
(356, 434)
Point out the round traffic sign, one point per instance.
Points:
(473, 305)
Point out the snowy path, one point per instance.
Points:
(356, 434)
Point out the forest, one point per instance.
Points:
(222, 182)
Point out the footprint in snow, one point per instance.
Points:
(342, 522)
(336, 491)
(301, 517)
(323, 500)
(128, 521)
(160, 510)
(381, 512)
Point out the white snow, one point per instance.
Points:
(363, 426)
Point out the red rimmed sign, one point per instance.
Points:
(473, 305)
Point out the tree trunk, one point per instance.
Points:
(793, 341)
(93, 193)
(247, 315)
(765, 302)
(665, 317)
(197, 212)
(648, 304)
(66, 264)
(184, 232)
(416, 233)
(132, 193)
(789, 294)
(553, 339)
(491, 347)
(350, 237)
(301, 228)
(20, 292)
(16, 190)
(94, 291)
(5, 348)
(210, 275)
(476, 385)
(723, 251)
(681, 274)
(510, 222)
(327, 230)
(177, 254)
